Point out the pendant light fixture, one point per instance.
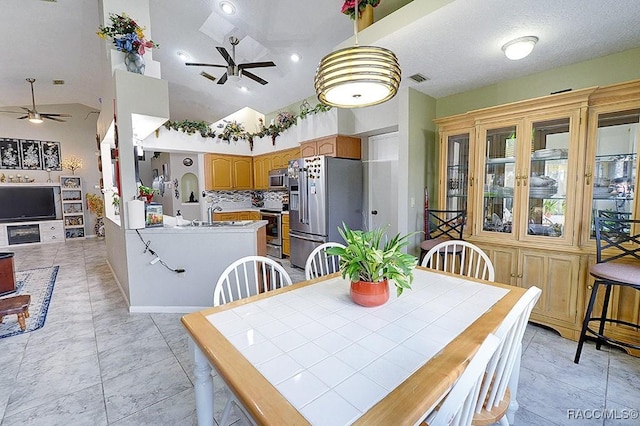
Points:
(357, 76)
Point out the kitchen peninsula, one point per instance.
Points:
(203, 252)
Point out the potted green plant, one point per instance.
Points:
(370, 259)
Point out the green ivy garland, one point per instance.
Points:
(233, 131)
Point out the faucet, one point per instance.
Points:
(210, 211)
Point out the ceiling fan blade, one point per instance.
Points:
(23, 117)
(226, 56)
(254, 77)
(55, 115)
(222, 79)
(13, 112)
(52, 118)
(27, 109)
(198, 64)
(256, 65)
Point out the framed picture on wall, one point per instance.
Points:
(51, 156)
(30, 154)
(9, 154)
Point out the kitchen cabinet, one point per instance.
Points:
(531, 175)
(224, 172)
(72, 208)
(242, 215)
(262, 164)
(261, 167)
(286, 242)
(334, 146)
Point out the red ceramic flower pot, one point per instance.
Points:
(370, 294)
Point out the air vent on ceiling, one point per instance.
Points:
(58, 82)
(207, 76)
(419, 78)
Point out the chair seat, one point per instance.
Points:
(624, 273)
(427, 245)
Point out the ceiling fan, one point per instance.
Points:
(33, 115)
(235, 70)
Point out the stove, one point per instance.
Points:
(274, 231)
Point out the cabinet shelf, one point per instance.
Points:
(72, 207)
(506, 160)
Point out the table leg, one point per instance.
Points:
(513, 387)
(203, 386)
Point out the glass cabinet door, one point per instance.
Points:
(613, 172)
(457, 172)
(548, 178)
(499, 177)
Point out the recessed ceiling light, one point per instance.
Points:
(244, 89)
(227, 7)
(520, 47)
(295, 57)
(183, 56)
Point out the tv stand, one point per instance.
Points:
(15, 234)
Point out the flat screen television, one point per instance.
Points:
(27, 203)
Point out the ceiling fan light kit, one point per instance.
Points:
(33, 115)
(357, 76)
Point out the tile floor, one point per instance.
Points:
(95, 364)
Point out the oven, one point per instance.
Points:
(274, 231)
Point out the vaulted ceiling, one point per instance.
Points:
(456, 45)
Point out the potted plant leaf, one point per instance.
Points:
(370, 259)
(146, 193)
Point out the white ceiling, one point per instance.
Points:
(456, 46)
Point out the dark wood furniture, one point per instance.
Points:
(7, 276)
(16, 305)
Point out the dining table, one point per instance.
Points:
(307, 354)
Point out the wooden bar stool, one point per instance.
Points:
(16, 305)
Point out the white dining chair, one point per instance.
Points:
(246, 277)
(499, 388)
(319, 263)
(461, 258)
(457, 407)
(249, 276)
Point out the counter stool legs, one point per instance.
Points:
(585, 323)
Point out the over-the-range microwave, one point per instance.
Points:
(278, 179)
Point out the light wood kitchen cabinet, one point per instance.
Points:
(223, 172)
(334, 146)
(290, 154)
(285, 235)
(530, 175)
(261, 167)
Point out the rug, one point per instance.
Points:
(39, 284)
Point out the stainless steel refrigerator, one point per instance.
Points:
(324, 192)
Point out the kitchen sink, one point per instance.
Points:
(219, 223)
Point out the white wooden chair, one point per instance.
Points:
(460, 257)
(500, 386)
(246, 277)
(249, 276)
(458, 406)
(319, 263)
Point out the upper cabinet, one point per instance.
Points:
(224, 172)
(333, 146)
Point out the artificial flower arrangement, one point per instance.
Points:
(349, 6)
(126, 34)
(95, 204)
(231, 130)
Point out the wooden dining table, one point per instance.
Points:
(306, 354)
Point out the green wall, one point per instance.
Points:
(610, 69)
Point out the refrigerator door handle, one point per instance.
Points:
(304, 197)
(294, 234)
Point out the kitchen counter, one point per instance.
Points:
(203, 252)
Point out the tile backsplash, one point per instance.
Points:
(232, 200)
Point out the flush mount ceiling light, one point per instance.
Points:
(520, 47)
(295, 57)
(227, 7)
(357, 76)
(183, 56)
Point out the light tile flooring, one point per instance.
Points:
(95, 364)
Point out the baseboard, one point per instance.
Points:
(115, 277)
(166, 309)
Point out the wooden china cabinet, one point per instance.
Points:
(531, 174)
